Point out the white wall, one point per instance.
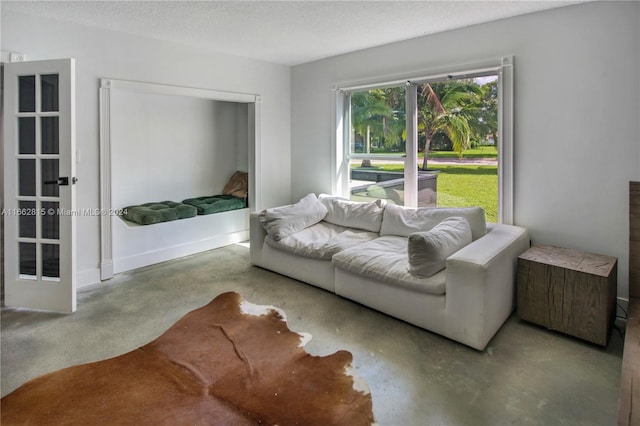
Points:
(171, 147)
(105, 54)
(577, 108)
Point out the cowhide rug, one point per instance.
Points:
(227, 363)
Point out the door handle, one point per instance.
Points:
(62, 181)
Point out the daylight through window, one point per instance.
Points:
(432, 142)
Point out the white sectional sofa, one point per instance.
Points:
(441, 269)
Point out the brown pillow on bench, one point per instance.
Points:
(238, 185)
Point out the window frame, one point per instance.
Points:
(340, 143)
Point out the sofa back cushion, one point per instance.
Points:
(428, 250)
(402, 221)
(353, 214)
(280, 222)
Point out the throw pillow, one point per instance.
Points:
(353, 214)
(238, 185)
(429, 250)
(402, 221)
(280, 222)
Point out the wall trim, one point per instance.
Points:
(106, 249)
(109, 266)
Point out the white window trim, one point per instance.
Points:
(340, 115)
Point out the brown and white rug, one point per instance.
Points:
(227, 363)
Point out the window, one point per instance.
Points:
(443, 140)
(377, 143)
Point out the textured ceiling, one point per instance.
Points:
(285, 32)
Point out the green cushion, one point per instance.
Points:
(156, 212)
(216, 203)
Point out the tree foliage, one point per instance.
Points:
(379, 113)
(462, 112)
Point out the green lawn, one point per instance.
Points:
(465, 186)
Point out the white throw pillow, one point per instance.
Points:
(353, 214)
(402, 221)
(280, 222)
(428, 250)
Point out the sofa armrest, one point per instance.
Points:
(499, 241)
(257, 234)
(480, 288)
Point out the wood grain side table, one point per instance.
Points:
(567, 290)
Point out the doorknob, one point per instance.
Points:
(62, 181)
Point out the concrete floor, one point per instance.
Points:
(526, 376)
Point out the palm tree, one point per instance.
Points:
(447, 108)
(395, 123)
(368, 112)
(488, 116)
(378, 113)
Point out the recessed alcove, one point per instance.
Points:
(163, 142)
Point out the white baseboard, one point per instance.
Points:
(106, 270)
(164, 254)
(87, 277)
(624, 304)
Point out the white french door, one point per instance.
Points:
(39, 190)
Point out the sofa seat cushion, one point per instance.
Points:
(157, 212)
(321, 241)
(215, 203)
(385, 259)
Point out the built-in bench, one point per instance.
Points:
(180, 229)
(233, 197)
(137, 245)
(166, 211)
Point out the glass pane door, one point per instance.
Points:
(39, 147)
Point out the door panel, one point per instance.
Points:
(39, 210)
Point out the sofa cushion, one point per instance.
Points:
(428, 250)
(353, 214)
(280, 222)
(321, 241)
(385, 259)
(402, 221)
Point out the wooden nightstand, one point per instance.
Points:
(568, 291)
